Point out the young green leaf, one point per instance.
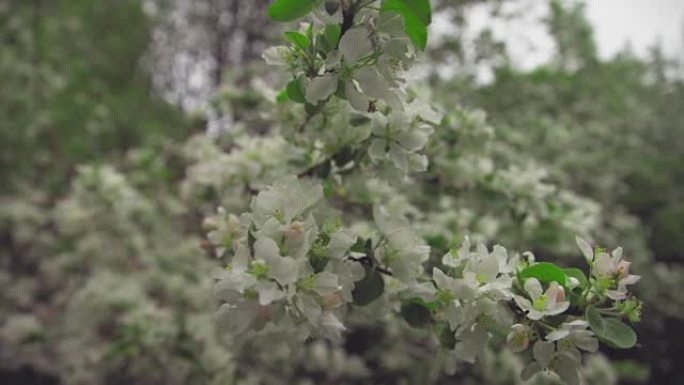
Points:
(596, 322)
(298, 40)
(619, 334)
(369, 288)
(419, 8)
(544, 272)
(417, 16)
(446, 336)
(282, 96)
(295, 91)
(290, 10)
(415, 314)
(577, 274)
(332, 34)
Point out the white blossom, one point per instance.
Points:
(540, 303)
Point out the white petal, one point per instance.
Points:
(283, 269)
(442, 280)
(237, 319)
(331, 325)
(535, 315)
(359, 101)
(327, 283)
(339, 243)
(266, 249)
(355, 44)
(586, 249)
(603, 265)
(398, 156)
(275, 56)
(616, 295)
(320, 88)
(617, 254)
(268, 292)
(578, 323)
(558, 308)
(630, 280)
(557, 335)
(376, 150)
(522, 302)
(543, 352)
(375, 86)
(533, 288)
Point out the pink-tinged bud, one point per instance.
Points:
(556, 293)
(560, 296)
(209, 224)
(622, 269)
(518, 339)
(331, 301)
(295, 231)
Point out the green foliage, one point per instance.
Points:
(416, 314)
(290, 10)
(619, 334)
(612, 330)
(417, 16)
(578, 274)
(299, 40)
(544, 272)
(332, 34)
(369, 288)
(294, 91)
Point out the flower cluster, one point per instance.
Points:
(285, 270)
(293, 269)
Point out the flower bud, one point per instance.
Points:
(331, 301)
(295, 231)
(518, 338)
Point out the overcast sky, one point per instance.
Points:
(639, 23)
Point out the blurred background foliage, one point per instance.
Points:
(108, 110)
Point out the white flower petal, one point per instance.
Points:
(355, 44)
(533, 287)
(557, 335)
(359, 101)
(268, 292)
(320, 88)
(585, 248)
(543, 352)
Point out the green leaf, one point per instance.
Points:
(423, 303)
(290, 10)
(544, 272)
(578, 274)
(419, 8)
(359, 246)
(416, 315)
(328, 187)
(446, 336)
(282, 96)
(332, 34)
(417, 15)
(298, 40)
(295, 91)
(619, 334)
(344, 156)
(596, 322)
(369, 288)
